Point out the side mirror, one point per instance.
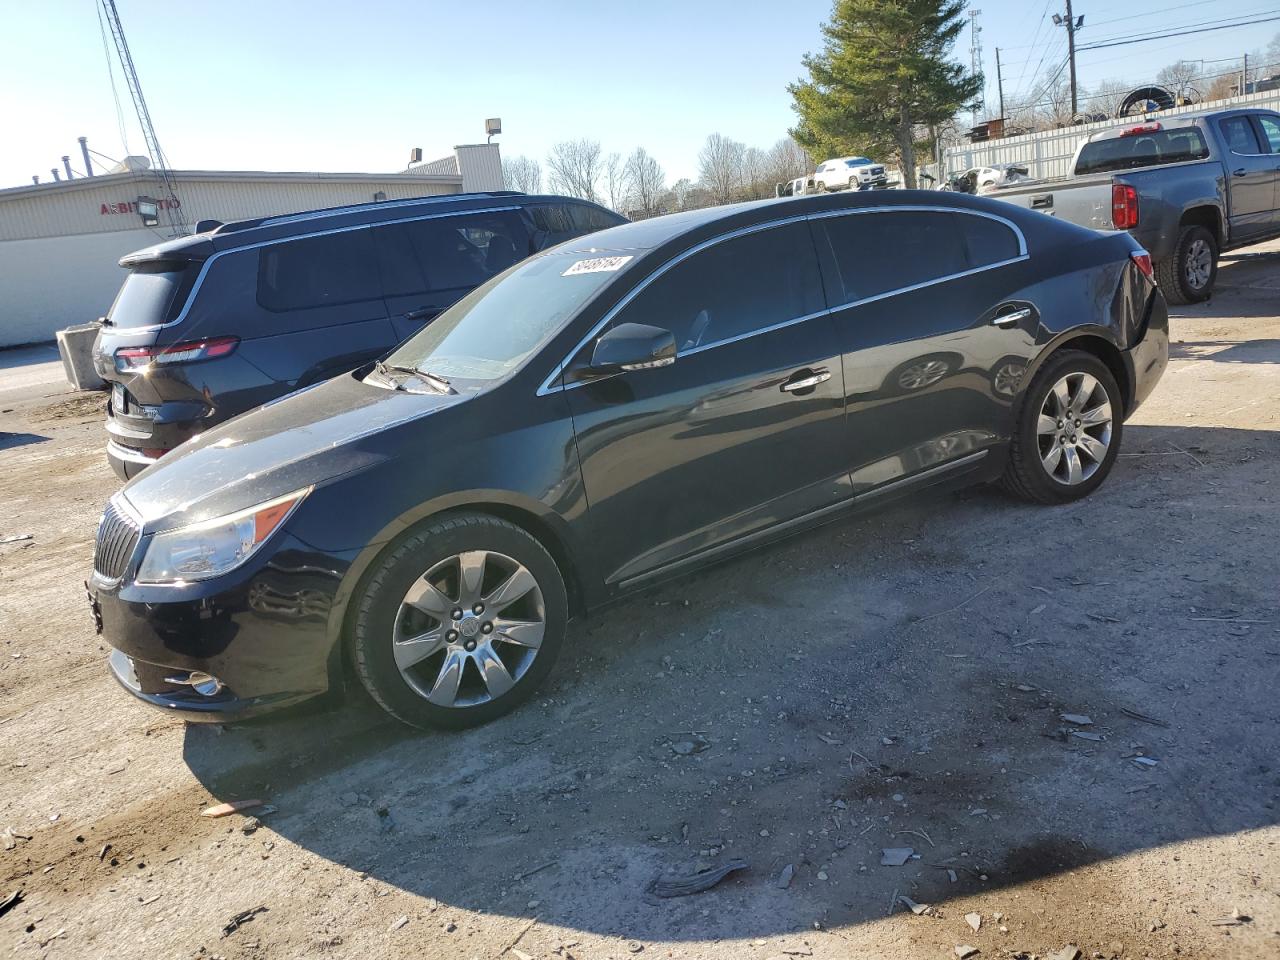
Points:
(633, 346)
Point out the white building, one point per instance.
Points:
(60, 242)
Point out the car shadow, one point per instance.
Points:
(11, 441)
(888, 680)
(1227, 351)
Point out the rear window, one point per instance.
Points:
(151, 294)
(1142, 150)
(320, 271)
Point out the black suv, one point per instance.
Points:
(208, 326)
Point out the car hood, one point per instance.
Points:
(302, 439)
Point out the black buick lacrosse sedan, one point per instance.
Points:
(615, 411)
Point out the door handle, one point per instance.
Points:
(1012, 318)
(806, 383)
(1239, 173)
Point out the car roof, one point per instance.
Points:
(693, 226)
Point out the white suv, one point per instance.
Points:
(850, 173)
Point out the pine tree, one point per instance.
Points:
(884, 70)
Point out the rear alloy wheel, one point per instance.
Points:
(1188, 276)
(1068, 432)
(460, 622)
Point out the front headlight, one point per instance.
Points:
(214, 547)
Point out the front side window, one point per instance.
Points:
(732, 288)
(1270, 130)
(495, 328)
(448, 253)
(322, 271)
(870, 254)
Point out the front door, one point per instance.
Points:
(742, 432)
(935, 341)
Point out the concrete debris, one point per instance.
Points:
(974, 920)
(1069, 952)
(520, 954)
(399, 922)
(233, 806)
(951, 875)
(1079, 719)
(11, 837)
(695, 883)
(964, 951)
(1145, 761)
(895, 856)
(919, 909)
(784, 877)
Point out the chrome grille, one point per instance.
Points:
(117, 536)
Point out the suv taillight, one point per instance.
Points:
(1142, 260)
(129, 359)
(1124, 206)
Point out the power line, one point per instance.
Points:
(1176, 32)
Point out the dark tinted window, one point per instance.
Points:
(587, 219)
(1239, 135)
(1142, 150)
(875, 253)
(1270, 130)
(987, 241)
(318, 271)
(448, 253)
(552, 224)
(734, 287)
(152, 293)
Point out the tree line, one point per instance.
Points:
(636, 184)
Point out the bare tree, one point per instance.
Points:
(522, 173)
(1179, 76)
(648, 181)
(574, 167)
(720, 167)
(787, 160)
(755, 175)
(680, 192)
(616, 181)
(1106, 97)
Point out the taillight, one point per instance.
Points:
(1142, 260)
(1124, 206)
(140, 358)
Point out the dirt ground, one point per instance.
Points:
(894, 680)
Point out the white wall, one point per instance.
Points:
(53, 282)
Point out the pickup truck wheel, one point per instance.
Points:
(1188, 276)
(1067, 434)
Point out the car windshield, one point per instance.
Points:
(857, 162)
(491, 332)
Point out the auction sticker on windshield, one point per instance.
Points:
(597, 265)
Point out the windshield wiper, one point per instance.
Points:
(386, 370)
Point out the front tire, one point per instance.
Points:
(1189, 275)
(1068, 431)
(459, 623)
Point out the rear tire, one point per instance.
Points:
(1189, 275)
(485, 626)
(1067, 434)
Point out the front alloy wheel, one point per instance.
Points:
(459, 622)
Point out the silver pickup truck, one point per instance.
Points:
(1186, 188)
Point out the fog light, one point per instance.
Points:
(204, 684)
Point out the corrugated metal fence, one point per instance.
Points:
(1048, 154)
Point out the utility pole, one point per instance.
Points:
(1072, 23)
(1244, 76)
(975, 60)
(999, 82)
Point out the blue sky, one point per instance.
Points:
(327, 85)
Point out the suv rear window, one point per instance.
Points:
(152, 293)
(1142, 150)
(318, 272)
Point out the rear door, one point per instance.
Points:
(742, 432)
(1269, 135)
(427, 265)
(930, 362)
(1252, 176)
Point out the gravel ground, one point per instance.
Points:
(895, 680)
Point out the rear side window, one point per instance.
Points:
(552, 224)
(319, 271)
(733, 288)
(1240, 136)
(588, 219)
(869, 254)
(448, 253)
(1142, 150)
(152, 294)
(987, 241)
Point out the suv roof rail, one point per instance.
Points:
(275, 219)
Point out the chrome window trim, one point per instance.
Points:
(204, 269)
(549, 386)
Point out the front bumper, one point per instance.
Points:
(262, 632)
